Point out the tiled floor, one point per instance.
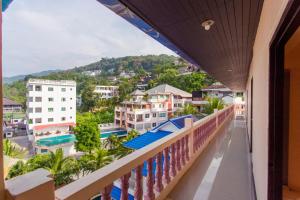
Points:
(222, 171)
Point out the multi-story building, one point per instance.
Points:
(146, 110)
(107, 92)
(51, 106)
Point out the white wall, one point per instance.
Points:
(259, 70)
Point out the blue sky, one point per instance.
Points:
(59, 34)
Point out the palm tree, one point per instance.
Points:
(62, 168)
(189, 109)
(213, 103)
(101, 158)
(13, 150)
(95, 160)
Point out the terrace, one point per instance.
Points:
(184, 148)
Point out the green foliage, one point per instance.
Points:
(188, 109)
(16, 92)
(13, 150)
(213, 103)
(87, 136)
(16, 170)
(62, 169)
(115, 144)
(89, 98)
(97, 159)
(99, 117)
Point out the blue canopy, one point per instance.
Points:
(5, 4)
(146, 139)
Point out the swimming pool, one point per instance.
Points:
(62, 139)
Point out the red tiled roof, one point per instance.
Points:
(41, 127)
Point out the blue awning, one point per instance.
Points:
(5, 4)
(146, 139)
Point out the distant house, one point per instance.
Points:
(107, 91)
(10, 106)
(220, 91)
(92, 73)
(146, 110)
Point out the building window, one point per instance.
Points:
(50, 119)
(179, 105)
(30, 110)
(162, 114)
(63, 99)
(63, 119)
(147, 115)
(38, 120)
(30, 99)
(30, 87)
(38, 99)
(38, 88)
(71, 98)
(50, 89)
(71, 89)
(175, 105)
(50, 99)
(71, 117)
(63, 108)
(71, 108)
(153, 124)
(50, 109)
(154, 115)
(38, 109)
(63, 89)
(44, 150)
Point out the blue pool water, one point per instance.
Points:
(71, 138)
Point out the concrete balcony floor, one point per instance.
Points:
(222, 171)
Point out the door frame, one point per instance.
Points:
(288, 24)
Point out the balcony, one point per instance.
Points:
(185, 149)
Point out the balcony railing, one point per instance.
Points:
(173, 155)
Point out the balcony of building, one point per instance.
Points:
(202, 157)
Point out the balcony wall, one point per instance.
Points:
(181, 148)
(259, 70)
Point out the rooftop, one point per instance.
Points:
(8, 102)
(168, 89)
(52, 82)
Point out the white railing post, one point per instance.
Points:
(188, 123)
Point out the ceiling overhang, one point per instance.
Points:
(224, 51)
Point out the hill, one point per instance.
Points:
(9, 80)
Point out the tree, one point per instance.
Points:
(89, 97)
(62, 168)
(13, 150)
(213, 103)
(189, 109)
(87, 136)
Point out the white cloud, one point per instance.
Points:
(50, 34)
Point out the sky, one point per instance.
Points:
(40, 35)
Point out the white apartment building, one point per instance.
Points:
(51, 106)
(107, 92)
(146, 110)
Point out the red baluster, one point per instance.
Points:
(150, 181)
(173, 160)
(159, 185)
(106, 193)
(167, 178)
(178, 156)
(125, 186)
(187, 148)
(182, 141)
(138, 192)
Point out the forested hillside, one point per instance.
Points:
(157, 69)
